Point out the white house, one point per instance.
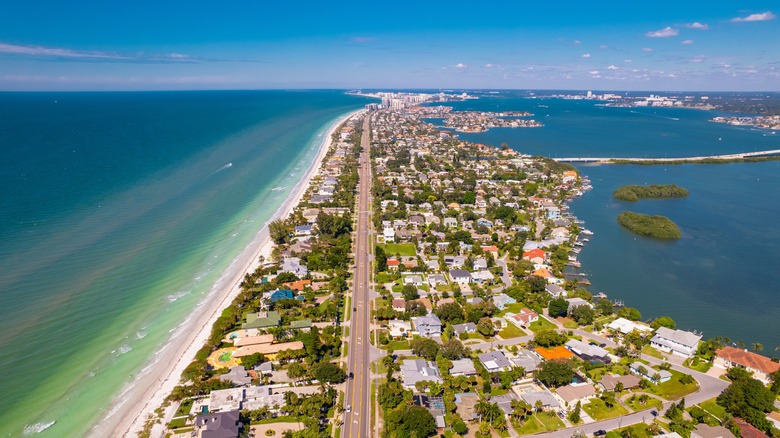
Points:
(679, 342)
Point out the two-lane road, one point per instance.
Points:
(357, 422)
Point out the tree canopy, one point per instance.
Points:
(409, 421)
(554, 373)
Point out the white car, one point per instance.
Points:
(349, 408)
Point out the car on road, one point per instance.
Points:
(349, 408)
(654, 413)
(600, 432)
(351, 375)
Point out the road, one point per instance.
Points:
(606, 160)
(357, 422)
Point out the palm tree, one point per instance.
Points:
(757, 346)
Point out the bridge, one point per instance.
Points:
(605, 160)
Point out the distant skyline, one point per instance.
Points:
(659, 45)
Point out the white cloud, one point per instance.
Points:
(687, 42)
(488, 65)
(613, 67)
(460, 65)
(60, 53)
(586, 55)
(627, 60)
(699, 58)
(647, 49)
(764, 16)
(577, 42)
(594, 72)
(697, 25)
(663, 33)
(603, 46)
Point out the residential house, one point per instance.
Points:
(555, 353)
(610, 381)
(450, 222)
(650, 373)
(414, 280)
(237, 375)
(680, 342)
(468, 327)
(482, 277)
(703, 430)
(393, 264)
(428, 326)
(571, 394)
(418, 370)
(495, 361)
(760, 366)
(303, 230)
(502, 300)
(436, 279)
(522, 318)
(279, 294)
(626, 326)
(526, 360)
(555, 291)
(463, 367)
(399, 305)
(504, 402)
(218, 425)
(398, 328)
(587, 352)
(262, 320)
(532, 394)
(576, 302)
(389, 234)
(460, 276)
(294, 266)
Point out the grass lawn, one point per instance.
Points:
(346, 348)
(177, 423)
(698, 364)
(598, 410)
(541, 324)
(650, 351)
(713, 408)
(568, 323)
(383, 277)
(635, 431)
(397, 288)
(511, 308)
(184, 408)
(397, 345)
(673, 388)
(511, 331)
(635, 405)
(540, 422)
(404, 249)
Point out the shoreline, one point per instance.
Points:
(161, 381)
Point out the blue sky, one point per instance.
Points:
(143, 45)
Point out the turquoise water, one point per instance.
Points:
(119, 212)
(721, 278)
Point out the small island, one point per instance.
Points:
(655, 191)
(658, 227)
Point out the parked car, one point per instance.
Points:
(600, 432)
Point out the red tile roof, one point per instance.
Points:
(748, 359)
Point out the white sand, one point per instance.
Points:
(127, 417)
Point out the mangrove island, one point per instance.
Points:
(654, 191)
(659, 227)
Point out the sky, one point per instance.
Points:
(683, 45)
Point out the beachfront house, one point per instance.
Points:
(761, 366)
(220, 424)
(294, 266)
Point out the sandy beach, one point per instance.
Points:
(127, 414)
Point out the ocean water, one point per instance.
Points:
(722, 277)
(119, 212)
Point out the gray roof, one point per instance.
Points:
(417, 370)
(494, 360)
(504, 402)
(219, 425)
(582, 349)
(688, 339)
(463, 366)
(237, 375)
(459, 273)
(546, 397)
(467, 327)
(526, 359)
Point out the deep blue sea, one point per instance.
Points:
(722, 277)
(118, 214)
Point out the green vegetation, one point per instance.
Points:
(642, 402)
(402, 249)
(540, 325)
(675, 387)
(554, 373)
(702, 161)
(511, 331)
(654, 191)
(749, 399)
(659, 227)
(407, 421)
(598, 410)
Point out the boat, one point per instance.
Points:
(586, 232)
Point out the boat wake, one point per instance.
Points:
(37, 428)
(278, 189)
